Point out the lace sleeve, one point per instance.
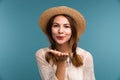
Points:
(45, 69)
(89, 68)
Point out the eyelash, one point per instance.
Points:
(66, 26)
(55, 25)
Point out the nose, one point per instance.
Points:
(60, 30)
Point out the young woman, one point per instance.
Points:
(64, 60)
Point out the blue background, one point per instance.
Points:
(21, 37)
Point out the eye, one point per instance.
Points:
(67, 26)
(55, 25)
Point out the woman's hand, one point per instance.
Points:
(60, 56)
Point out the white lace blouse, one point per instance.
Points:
(47, 70)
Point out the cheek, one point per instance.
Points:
(69, 32)
(54, 31)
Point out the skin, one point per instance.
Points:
(61, 30)
(61, 33)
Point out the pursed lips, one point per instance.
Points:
(60, 37)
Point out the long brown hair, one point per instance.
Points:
(76, 59)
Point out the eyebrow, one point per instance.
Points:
(58, 23)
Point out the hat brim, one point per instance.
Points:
(77, 16)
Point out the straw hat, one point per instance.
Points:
(77, 16)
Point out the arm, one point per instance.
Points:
(61, 63)
(60, 72)
(45, 69)
(89, 68)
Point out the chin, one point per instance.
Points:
(60, 43)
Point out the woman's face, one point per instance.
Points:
(61, 30)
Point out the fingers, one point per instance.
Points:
(58, 53)
(60, 56)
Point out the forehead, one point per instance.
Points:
(60, 18)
